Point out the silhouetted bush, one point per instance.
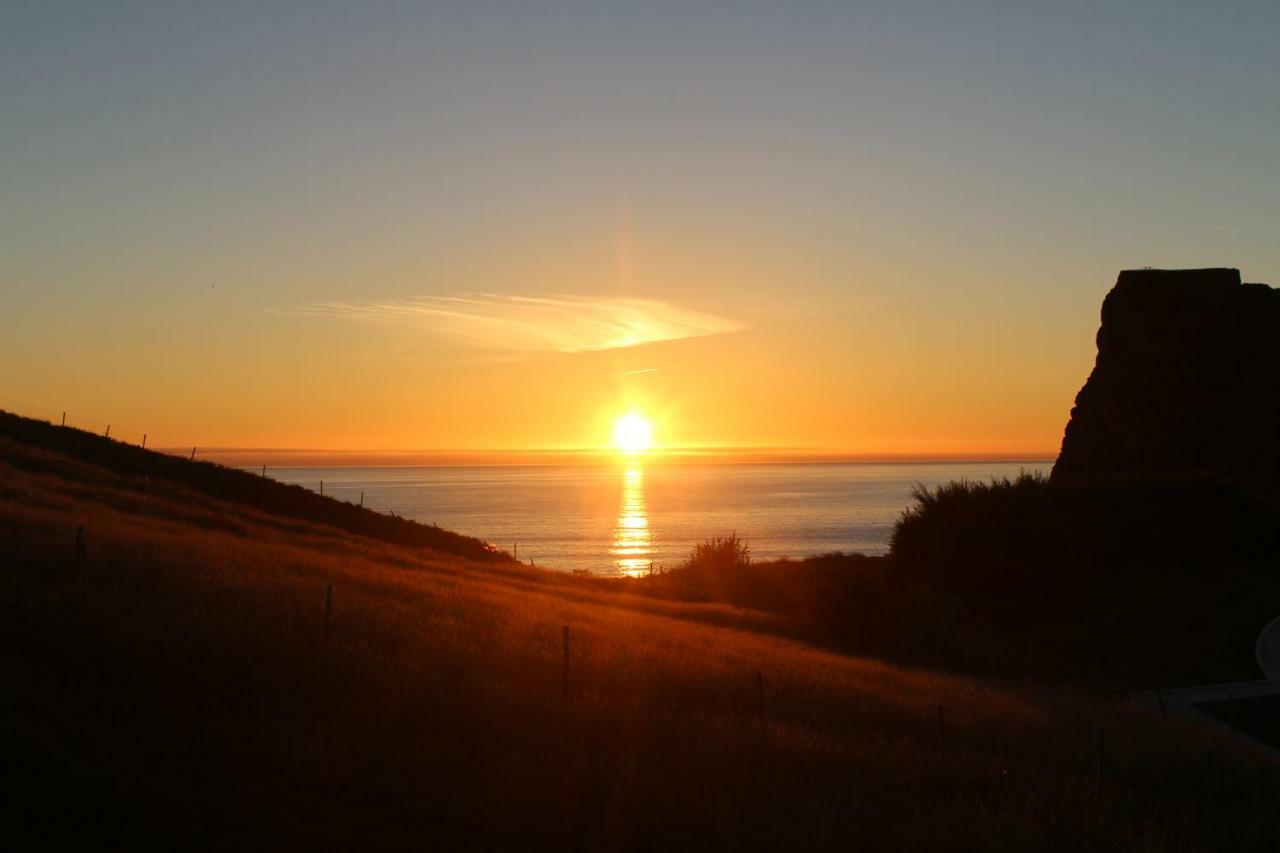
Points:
(1032, 532)
(1112, 584)
(720, 553)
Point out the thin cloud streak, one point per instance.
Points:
(561, 323)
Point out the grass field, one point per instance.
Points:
(180, 687)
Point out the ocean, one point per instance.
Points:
(619, 519)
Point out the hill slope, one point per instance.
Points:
(180, 686)
(229, 484)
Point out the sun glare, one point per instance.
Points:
(632, 433)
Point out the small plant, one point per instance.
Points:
(720, 553)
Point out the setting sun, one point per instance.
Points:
(632, 433)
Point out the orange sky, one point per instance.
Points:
(865, 375)
(853, 229)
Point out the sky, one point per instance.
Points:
(854, 227)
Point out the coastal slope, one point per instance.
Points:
(202, 673)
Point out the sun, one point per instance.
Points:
(632, 433)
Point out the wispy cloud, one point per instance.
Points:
(561, 323)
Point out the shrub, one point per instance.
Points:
(995, 537)
(720, 553)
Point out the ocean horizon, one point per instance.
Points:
(624, 517)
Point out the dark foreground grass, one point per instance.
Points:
(182, 690)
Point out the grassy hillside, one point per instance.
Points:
(179, 686)
(175, 475)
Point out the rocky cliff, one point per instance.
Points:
(1187, 381)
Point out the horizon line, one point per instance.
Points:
(314, 457)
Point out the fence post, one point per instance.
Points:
(193, 455)
(107, 434)
(264, 470)
(82, 564)
(64, 418)
(362, 499)
(515, 551)
(328, 608)
(1101, 745)
(565, 668)
(144, 441)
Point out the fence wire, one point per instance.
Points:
(122, 432)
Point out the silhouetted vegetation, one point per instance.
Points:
(1112, 585)
(719, 554)
(1033, 532)
(849, 602)
(1115, 582)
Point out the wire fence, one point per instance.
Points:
(122, 432)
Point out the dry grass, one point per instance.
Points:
(196, 699)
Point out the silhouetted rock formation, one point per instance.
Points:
(1187, 381)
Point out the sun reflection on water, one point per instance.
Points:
(632, 544)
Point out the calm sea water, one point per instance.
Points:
(619, 519)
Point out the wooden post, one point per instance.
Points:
(515, 551)
(362, 499)
(942, 727)
(144, 441)
(1101, 745)
(107, 434)
(64, 418)
(760, 692)
(193, 455)
(328, 608)
(82, 562)
(565, 669)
